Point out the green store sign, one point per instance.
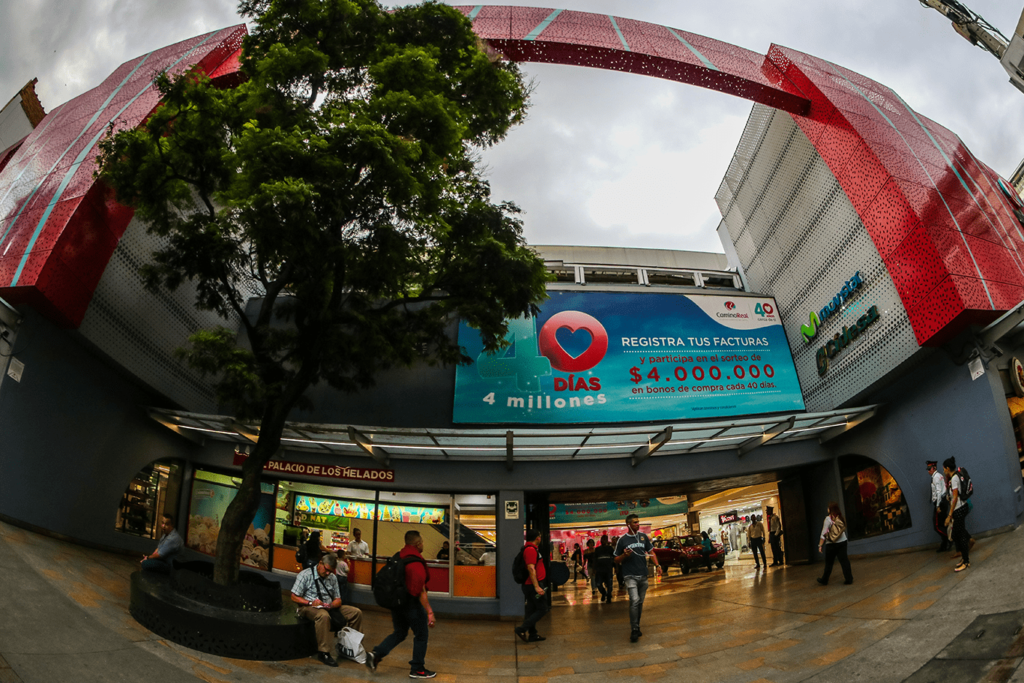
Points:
(836, 345)
(810, 330)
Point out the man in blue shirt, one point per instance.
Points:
(631, 554)
(316, 593)
(161, 559)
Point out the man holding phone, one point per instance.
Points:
(631, 554)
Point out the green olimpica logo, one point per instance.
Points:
(810, 330)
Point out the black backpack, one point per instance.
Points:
(300, 555)
(519, 571)
(966, 486)
(389, 585)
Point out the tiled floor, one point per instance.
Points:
(734, 624)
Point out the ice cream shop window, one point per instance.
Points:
(152, 493)
(211, 495)
(875, 504)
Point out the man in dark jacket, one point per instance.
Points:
(417, 615)
(603, 560)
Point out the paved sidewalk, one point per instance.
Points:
(63, 615)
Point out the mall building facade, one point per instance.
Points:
(864, 319)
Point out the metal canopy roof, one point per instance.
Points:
(638, 443)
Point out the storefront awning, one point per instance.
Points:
(638, 443)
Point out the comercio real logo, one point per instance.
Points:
(810, 330)
(729, 306)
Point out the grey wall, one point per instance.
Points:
(510, 539)
(932, 413)
(73, 433)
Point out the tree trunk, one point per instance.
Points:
(242, 510)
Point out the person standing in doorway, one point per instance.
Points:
(958, 514)
(534, 590)
(416, 615)
(756, 532)
(775, 537)
(631, 554)
(603, 560)
(941, 503)
(705, 550)
(357, 547)
(616, 567)
(588, 566)
(577, 562)
(833, 540)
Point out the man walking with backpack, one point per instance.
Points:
(959, 491)
(534, 588)
(410, 609)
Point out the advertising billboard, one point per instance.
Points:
(615, 511)
(625, 357)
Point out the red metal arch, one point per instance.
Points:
(949, 238)
(533, 34)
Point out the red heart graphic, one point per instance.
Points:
(573, 320)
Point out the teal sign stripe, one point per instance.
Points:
(61, 158)
(532, 35)
(925, 169)
(476, 11)
(621, 37)
(85, 152)
(694, 50)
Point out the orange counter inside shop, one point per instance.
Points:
(471, 581)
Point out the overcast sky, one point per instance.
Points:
(604, 158)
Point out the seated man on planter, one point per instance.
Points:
(161, 559)
(318, 596)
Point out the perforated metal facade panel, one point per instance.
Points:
(799, 239)
(141, 330)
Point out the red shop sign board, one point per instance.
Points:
(328, 471)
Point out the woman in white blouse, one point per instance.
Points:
(834, 544)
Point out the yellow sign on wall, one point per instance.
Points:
(363, 510)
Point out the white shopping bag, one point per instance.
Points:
(350, 645)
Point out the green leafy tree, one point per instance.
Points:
(339, 185)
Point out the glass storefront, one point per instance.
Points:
(211, 495)
(463, 523)
(875, 505)
(152, 493)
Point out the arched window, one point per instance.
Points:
(875, 504)
(151, 493)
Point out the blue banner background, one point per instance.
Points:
(625, 394)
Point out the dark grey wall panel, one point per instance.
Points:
(73, 432)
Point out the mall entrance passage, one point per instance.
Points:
(673, 515)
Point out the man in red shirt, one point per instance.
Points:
(534, 590)
(416, 615)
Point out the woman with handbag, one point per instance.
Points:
(833, 540)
